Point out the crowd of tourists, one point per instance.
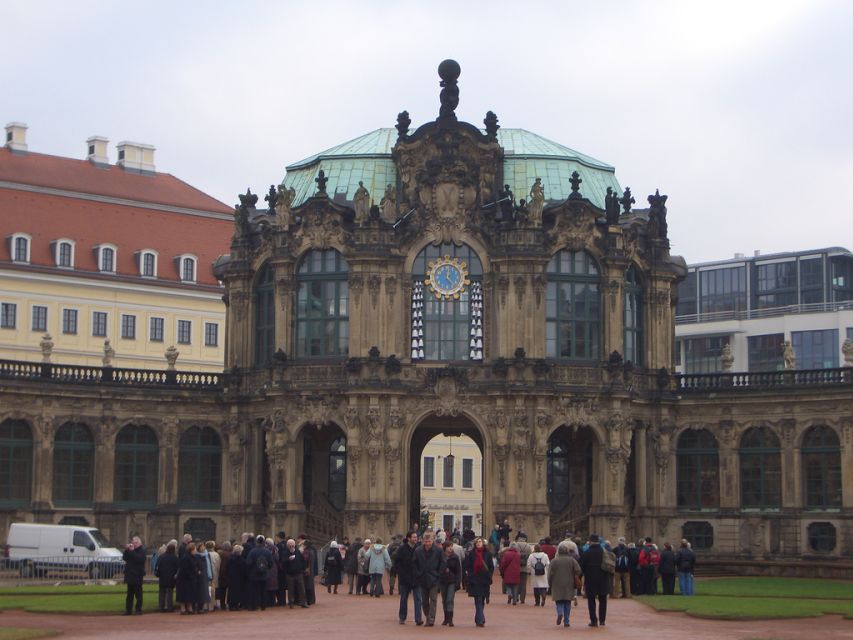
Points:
(430, 566)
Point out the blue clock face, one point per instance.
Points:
(447, 278)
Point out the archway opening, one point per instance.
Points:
(323, 454)
(447, 476)
(571, 474)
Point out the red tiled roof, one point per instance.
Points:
(47, 217)
(108, 180)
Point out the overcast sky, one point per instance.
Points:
(741, 111)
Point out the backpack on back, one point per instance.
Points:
(608, 561)
(262, 566)
(622, 562)
(539, 567)
(654, 557)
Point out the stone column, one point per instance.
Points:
(729, 466)
(42, 484)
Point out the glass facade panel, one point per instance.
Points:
(723, 290)
(573, 292)
(841, 270)
(765, 352)
(73, 465)
(821, 468)
(698, 470)
(16, 463)
(633, 318)
(816, 349)
(687, 296)
(322, 315)
(136, 466)
(200, 468)
(703, 355)
(760, 470)
(776, 285)
(338, 473)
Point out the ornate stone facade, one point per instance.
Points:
(282, 414)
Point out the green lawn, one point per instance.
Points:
(757, 598)
(11, 633)
(77, 599)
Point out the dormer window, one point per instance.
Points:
(106, 258)
(187, 267)
(20, 247)
(148, 263)
(64, 253)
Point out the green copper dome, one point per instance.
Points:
(527, 156)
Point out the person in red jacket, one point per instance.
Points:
(510, 566)
(547, 548)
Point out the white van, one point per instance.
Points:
(40, 549)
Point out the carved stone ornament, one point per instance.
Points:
(727, 358)
(171, 357)
(847, 350)
(374, 283)
(46, 345)
(356, 286)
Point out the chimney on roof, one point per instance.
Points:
(16, 136)
(135, 156)
(757, 253)
(739, 256)
(97, 150)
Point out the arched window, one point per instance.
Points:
(188, 269)
(16, 463)
(136, 466)
(73, 465)
(108, 255)
(821, 455)
(447, 304)
(760, 470)
(264, 316)
(200, 468)
(572, 307)
(20, 247)
(65, 254)
(338, 473)
(633, 319)
(322, 305)
(697, 470)
(558, 475)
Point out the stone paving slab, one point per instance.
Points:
(346, 616)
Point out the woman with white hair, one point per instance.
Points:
(333, 566)
(564, 574)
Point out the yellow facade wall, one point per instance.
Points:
(444, 502)
(116, 298)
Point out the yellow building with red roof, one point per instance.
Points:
(94, 251)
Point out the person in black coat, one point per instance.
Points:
(134, 572)
(404, 564)
(351, 563)
(449, 582)
(429, 560)
(333, 567)
(259, 563)
(167, 573)
(596, 581)
(293, 563)
(189, 577)
(477, 568)
(666, 568)
(236, 569)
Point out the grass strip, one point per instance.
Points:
(748, 608)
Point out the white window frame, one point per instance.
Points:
(106, 323)
(100, 253)
(76, 321)
(14, 324)
(162, 328)
(462, 472)
(178, 331)
(33, 314)
(13, 240)
(423, 473)
(142, 255)
(205, 334)
(56, 252)
(180, 260)
(121, 326)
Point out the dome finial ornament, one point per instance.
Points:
(449, 71)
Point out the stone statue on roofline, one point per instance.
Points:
(109, 354)
(537, 202)
(388, 204)
(727, 359)
(611, 207)
(361, 202)
(284, 200)
(847, 350)
(788, 358)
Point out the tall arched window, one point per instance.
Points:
(73, 465)
(136, 466)
(322, 305)
(633, 318)
(572, 307)
(447, 304)
(698, 470)
(200, 468)
(16, 463)
(264, 316)
(760, 470)
(558, 474)
(821, 455)
(338, 473)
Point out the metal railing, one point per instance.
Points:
(81, 374)
(769, 312)
(59, 568)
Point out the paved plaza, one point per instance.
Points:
(345, 616)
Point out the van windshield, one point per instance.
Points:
(99, 538)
